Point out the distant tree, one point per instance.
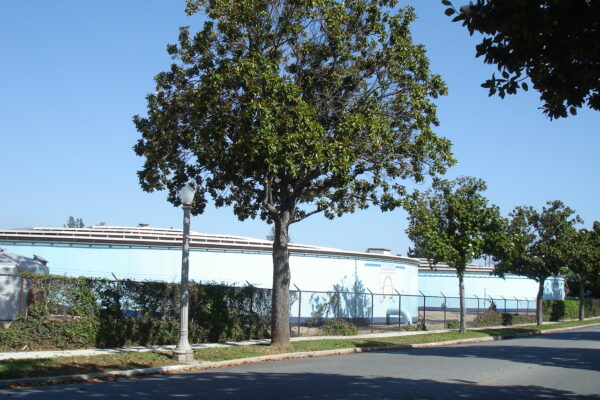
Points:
(285, 109)
(74, 223)
(553, 43)
(453, 223)
(271, 236)
(539, 245)
(418, 251)
(584, 260)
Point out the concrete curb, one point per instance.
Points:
(200, 366)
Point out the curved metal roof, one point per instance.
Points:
(163, 237)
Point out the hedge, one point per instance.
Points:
(557, 310)
(72, 313)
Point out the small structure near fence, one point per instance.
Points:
(13, 286)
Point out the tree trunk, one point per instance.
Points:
(280, 312)
(539, 304)
(463, 310)
(581, 299)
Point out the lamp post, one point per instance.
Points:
(183, 352)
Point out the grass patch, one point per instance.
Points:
(33, 368)
(235, 352)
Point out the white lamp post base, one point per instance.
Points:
(184, 356)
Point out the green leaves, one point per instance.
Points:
(583, 250)
(539, 242)
(552, 43)
(279, 105)
(453, 223)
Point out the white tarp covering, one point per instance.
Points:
(13, 290)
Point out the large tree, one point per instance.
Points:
(287, 108)
(584, 260)
(453, 223)
(554, 43)
(539, 245)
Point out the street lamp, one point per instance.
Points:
(183, 352)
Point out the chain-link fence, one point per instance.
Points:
(395, 311)
(147, 312)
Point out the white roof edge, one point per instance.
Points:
(165, 236)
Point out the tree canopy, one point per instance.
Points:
(287, 108)
(553, 43)
(584, 260)
(453, 223)
(539, 244)
(418, 250)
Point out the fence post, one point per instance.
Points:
(504, 304)
(517, 305)
(299, 307)
(372, 304)
(399, 309)
(251, 296)
(424, 306)
(337, 303)
(21, 295)
(527, 313)
(477, 304)
(445, 308)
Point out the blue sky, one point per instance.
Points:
(73, 73)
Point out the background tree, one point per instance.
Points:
(287, 108)
(271, 235)
(454, 224)
(418, 251)
(74, 223)
(539, 245)
(584, 261)
(553, 43)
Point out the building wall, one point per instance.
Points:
(239, 267)
(309, 272)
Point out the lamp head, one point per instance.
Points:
(187, 194)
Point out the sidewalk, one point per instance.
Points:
(23, 355)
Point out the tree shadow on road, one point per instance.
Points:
(230, 384)
(575, 335)
(563, 357)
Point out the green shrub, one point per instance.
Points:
(338, 327)
(416, 327)
(592, 307)
(72, 313)
(557, 310)
(453, 324)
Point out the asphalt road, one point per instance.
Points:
(557, 366)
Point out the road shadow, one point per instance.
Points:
(575, 335)
(563, 357)
(229, 384)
